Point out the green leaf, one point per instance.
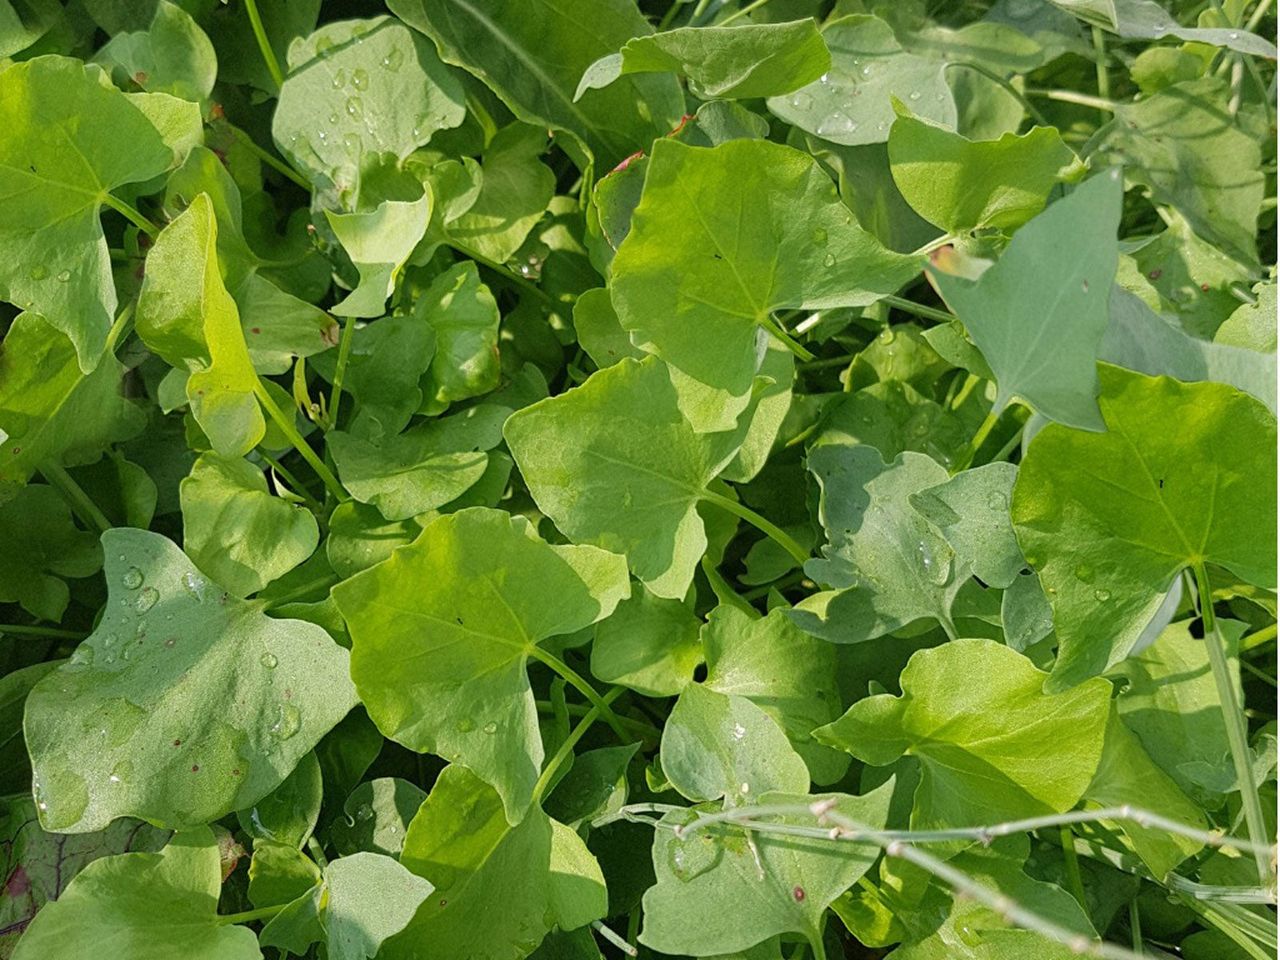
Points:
(183, 705)
(279, 874)
(614, 463)
(186, 316)
(884, 563)
(1148, 20)
(577, 891)
(760, 229)
(599, 332)
(357, 89)
(743, 62)
(379, 242)
(70, 140)
(852, 103)
(172, 56)
(359, 537)
(1108, 520)
(1251, 325)
(972, 512)
(460, 611)
(532, 58)
(288, 814)
(723, 890)
(377, 816)
(650, 644)
(462, 312)
(1041, 337)
(596, 784)
(388, 362)
(893, 417)
(152, 905)
(721, 745)
(235, 531)
(788, 674)
(362, 901)
(991, 744)
(40, 545)
(960, 184)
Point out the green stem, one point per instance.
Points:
(599, 927)
(720, 587)
(327, 580)
(1100, 69)
(970, 382)
(782, 583)
(317, 851)
(340, 370)
(274, 162)
(1255, 18)
(566, 748)
(1258, 638)
(787, 340)
(918, 309)
(1013, 441)
(312, 503)
(264, 45)
(774, 533)
(984, 430)
(1013, 91)
(641, 729)
(131, 213)
(1135, 927)
(291, 433)
(817, 946)
(120, 329)
(1070, 96)
(74, 494)
(669, 15)
(1237, 733)
(578, 683)
(754, 5)
(260, 914)
(1074, 883)
(22, 630)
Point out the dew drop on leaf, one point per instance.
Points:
(1102, 595)
(466, 725)
(64, 276)
(490, 728)
(132, 578)
(360, 78)
(829, 260)
(269, 660)
(147, 598)
(288, 722)
(393, 60)
(39, 272)
(1084, 573)
(819, 236)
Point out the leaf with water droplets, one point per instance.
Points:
(972, 512)
(1149, 20)
(288, 814)
(174, 690)
(457, 614)
(1124, 504)
(376, 816)
(991, 744)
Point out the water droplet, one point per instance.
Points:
(866, 70)
(351, 143)
(269, 660)
(914, 95)
(801, 101)
(1233, 35)
(193, 584)
(355, 107)
(364, 812)
(339, 79)
(39, 272)
(146, 599)
(887, 335)
(393, 60)
(819, 236)
(466, 725)
(360, 78)
(132, 578)
(61, 796)
(1084, 573)
(121, 772)
(739, 731)
(829, 260)
(288, 722)
(82, 657)
(1102, 595)
(836, 124)
(744, 788)
(996, 501)
(333, 118)
(490, 728)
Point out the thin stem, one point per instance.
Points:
(669, 15)
(565, 750)
(918, 309)
(317, 852)
(1013, 441)
(1070, 96)
(340, 370)
(817, 946)
(984, 430)
(970, 381)
(119, 329)
(1255, 18)
(1135, 927)
(723, 591)
(261, 913)
(1100, 69)
(774, 533)
(1074, 883)
(578, 683)
(74, 494)
(312, 503)
(270, 159)
(772, 325)
(933, 245)
(22, 630)
(294, 437)
(301, 591)
(1237, 733)
(1258, 638)
(783, 583)
(1013, 91)
(130, 213)
(264, 45)
(599, 927)
(646, 731)
(754, 5)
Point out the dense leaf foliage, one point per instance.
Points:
(732, 479)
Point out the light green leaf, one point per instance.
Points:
(462, 312)
(52, 411)
(186, 316)
(884, 563)
(359, 537)
(972, 512)
(764, 416)
(1108, 520)
(596, 784)
(1148, 20)
(166, 712)
(615, 463)
(423, 468)
(893, 417)
(788, 674)
(70, 140)
(388, 361)
(759, 229)
(599, 332)
(960, 184)
(1041, 336)
(459, 612)
(39, 546)
(576, 888)
(532, 55)
(379, 243)
(743, 62)
(1254, 324)
(172, 56)
(650, 645)
(721, 890)
(235, 531)
(357, 88)
(718, 745)
(852, 103)
(279, 874)
(991, 744)
(149, 906)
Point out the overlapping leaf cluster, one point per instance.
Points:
(484, 479)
